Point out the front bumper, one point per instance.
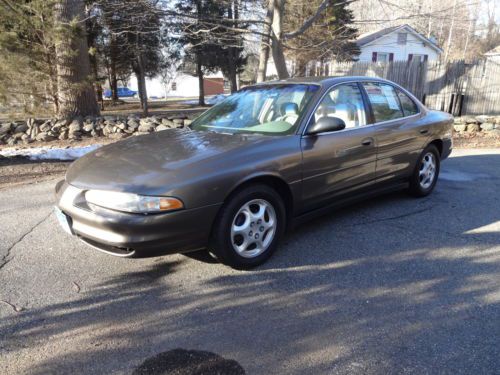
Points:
(126, 234)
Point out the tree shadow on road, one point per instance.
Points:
(390, 286)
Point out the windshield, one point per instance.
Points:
(267, 109)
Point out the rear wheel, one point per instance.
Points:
(426, 172)
(249, 226)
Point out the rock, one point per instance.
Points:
(146, 128)
(483, 118)
(44, 137)
(460, 127)
(132, 124)
(487, 126)
(75, 135)
(30, 122)
(187, 122)
(63, 136)
(178, 121)
(140, 133)
(144, 121)
(473, 128)
(45, 127)
(109, 118)
(470, 120)
(159, 128)
(5, 128)
(21, 128)
(117, 135)
(75, 126)
(167, 122)
(88, 127)
(121, 125)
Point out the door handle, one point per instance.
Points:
(424, 131)
(367, 142)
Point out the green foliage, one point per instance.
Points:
(331, 36)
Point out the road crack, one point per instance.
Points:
(7, 257)
(390, 218)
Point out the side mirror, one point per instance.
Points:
(327, 124)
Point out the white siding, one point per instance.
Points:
(389, 44)
(187, 86)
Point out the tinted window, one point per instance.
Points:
(384, 101)
(345, 102)
(409, 106)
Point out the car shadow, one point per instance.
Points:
(389, 286)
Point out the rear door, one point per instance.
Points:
(399, 130)
(341, 161)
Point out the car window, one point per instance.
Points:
(271, 109)
(345, 102)
(408, 105)
(384, 101)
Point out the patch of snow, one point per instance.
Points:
(46, 153)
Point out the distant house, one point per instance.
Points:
(182, 85)
(187, 85)
(493, 55)
(397, 43)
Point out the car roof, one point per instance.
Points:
(324, 81)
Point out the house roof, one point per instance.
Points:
(494, 52)
(368, 38)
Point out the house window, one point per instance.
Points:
(417, 57)
(174, 86)
(382, 56)
(402, 38)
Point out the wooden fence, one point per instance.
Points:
(457, 87)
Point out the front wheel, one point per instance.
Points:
(248, 228)
(426, 172)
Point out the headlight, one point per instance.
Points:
(132, 202)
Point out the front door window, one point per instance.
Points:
(345, 102)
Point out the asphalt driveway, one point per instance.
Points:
(395, 285)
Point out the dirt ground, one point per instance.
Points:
(20, 171)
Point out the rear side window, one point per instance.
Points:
(408, 105)
(384, 101)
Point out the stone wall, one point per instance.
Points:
(115, 127)
(488, 125)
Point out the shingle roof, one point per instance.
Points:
(368, 38)
(494, 51)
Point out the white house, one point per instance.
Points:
(397, 43)
(181, 85)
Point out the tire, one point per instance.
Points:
(239, 239)
(426, 173)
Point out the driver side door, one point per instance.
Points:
(338, 162)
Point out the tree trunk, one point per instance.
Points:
(233, 81)
(114, 82)
(76, 92)
(265, 42)
(141, 84)
(199, 71)
(276, 38)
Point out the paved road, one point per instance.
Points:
(391, 286)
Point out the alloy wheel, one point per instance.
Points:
(253, 228)
(427, 171)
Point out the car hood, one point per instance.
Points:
(154, 163)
